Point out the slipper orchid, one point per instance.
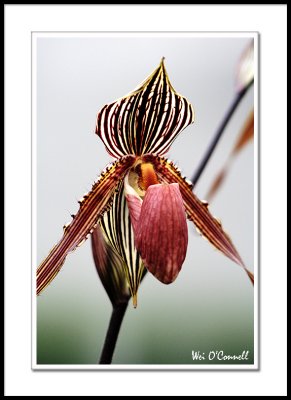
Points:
(138, 207)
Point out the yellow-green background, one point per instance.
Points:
(210, 305)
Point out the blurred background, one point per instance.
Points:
(210, 306)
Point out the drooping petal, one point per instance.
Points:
(246, 134)
(218, 180)
(146, 120)
(92, 206)
(161, 234)
(197, 210)
(117, 228)
(110, 268)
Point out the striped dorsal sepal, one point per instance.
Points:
(147, 120)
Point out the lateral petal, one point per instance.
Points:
(146, 120)
(92, 206)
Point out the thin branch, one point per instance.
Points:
(237, 99)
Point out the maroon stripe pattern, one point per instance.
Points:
(147, 120)
(118, 233)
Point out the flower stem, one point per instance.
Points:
(116, 319)
(233, 106)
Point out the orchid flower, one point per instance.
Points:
(140, 203)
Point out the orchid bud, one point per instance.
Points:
(245, 68)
